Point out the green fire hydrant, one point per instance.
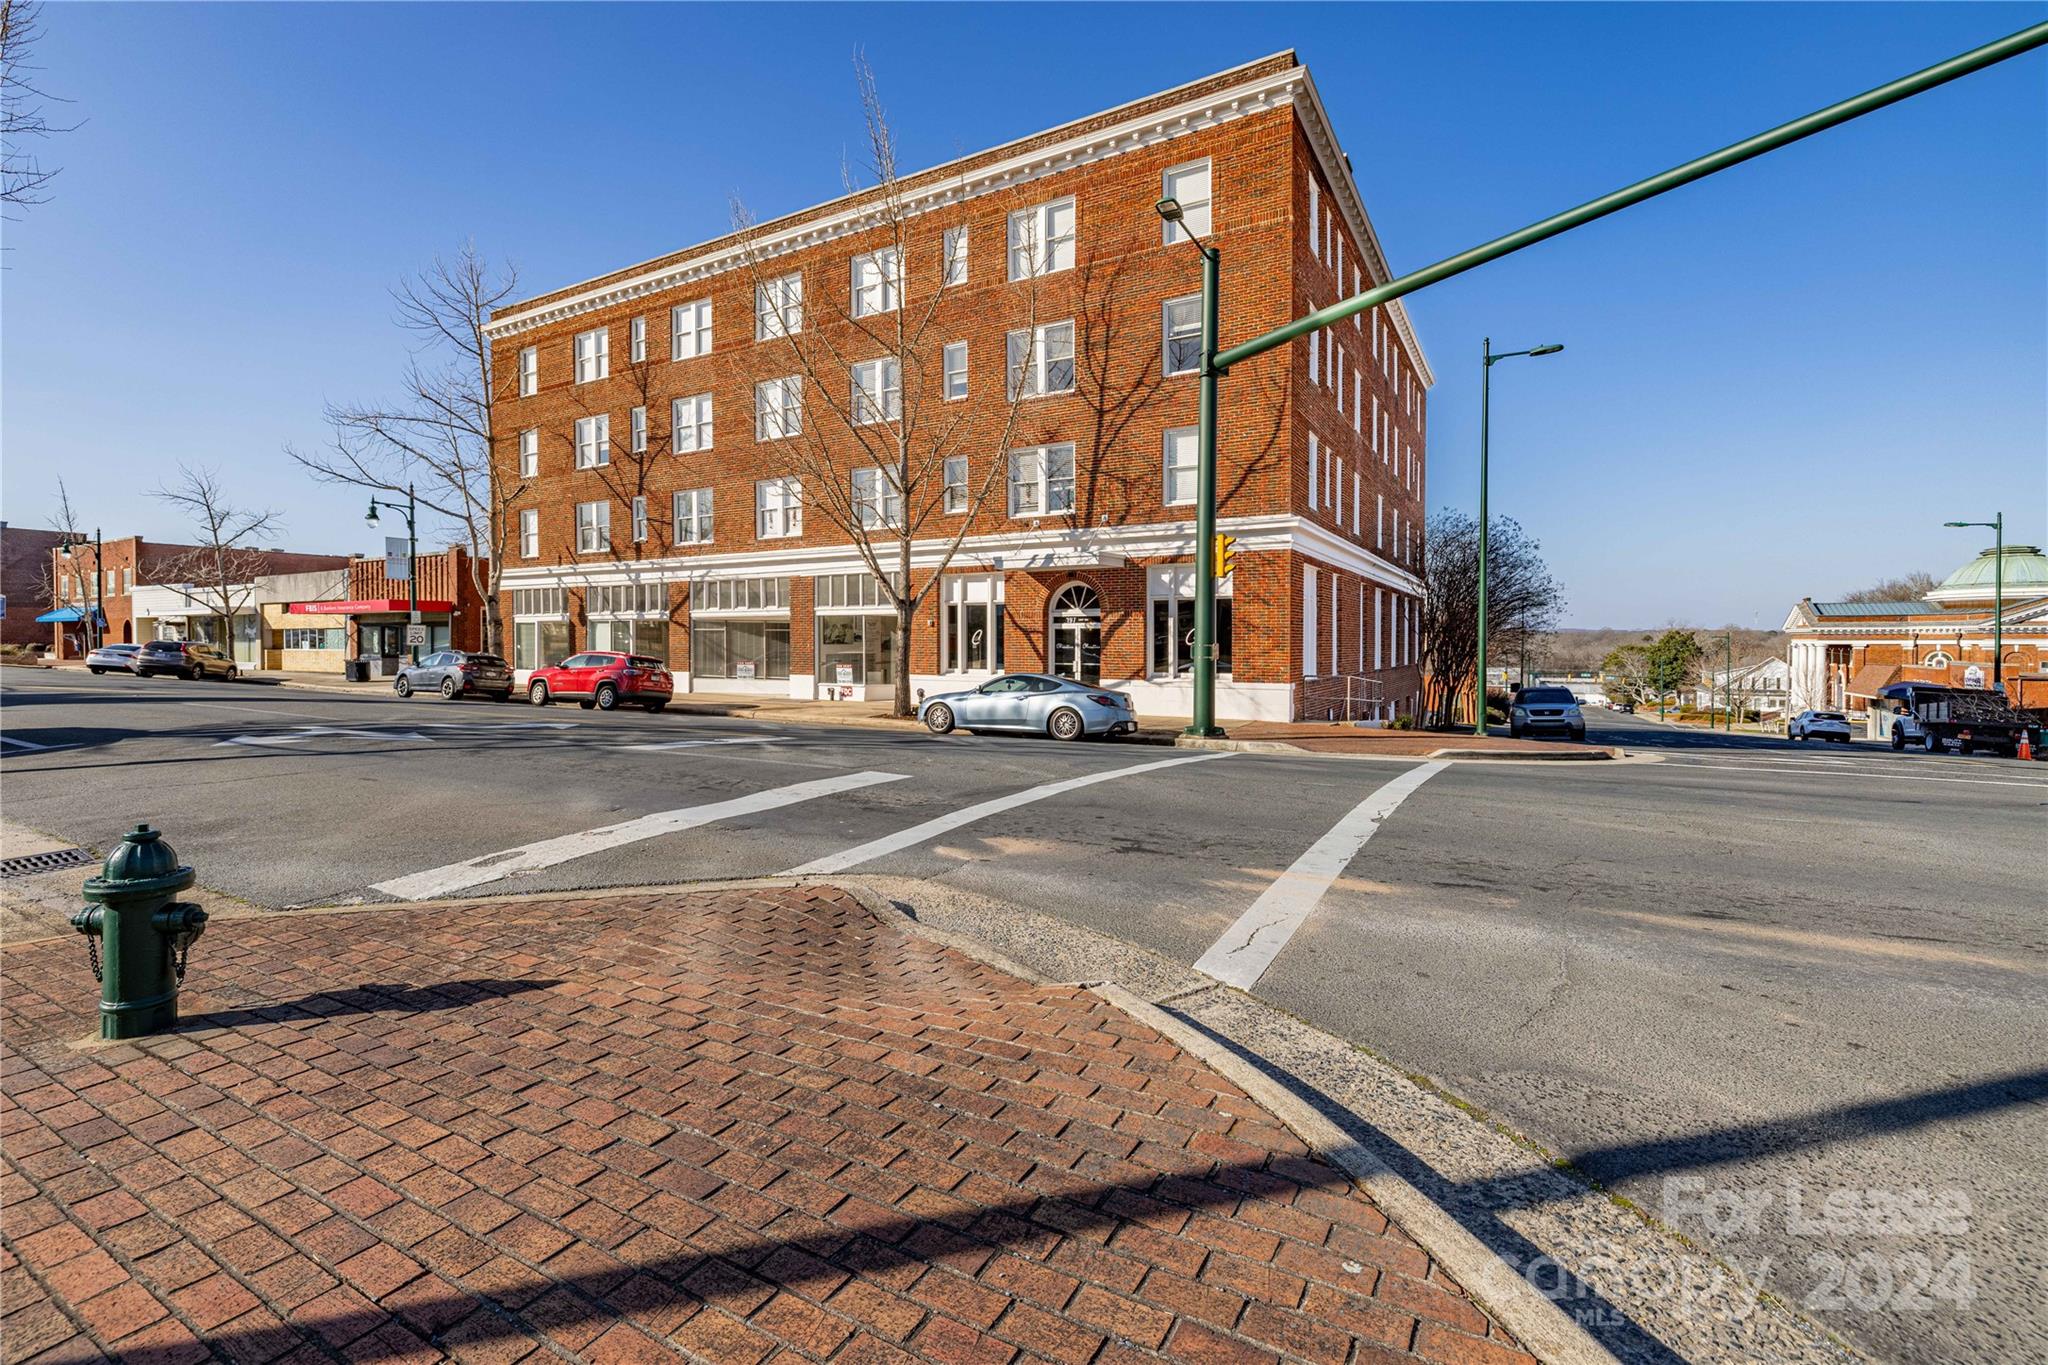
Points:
(136, 936)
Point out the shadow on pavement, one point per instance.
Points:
(369, 998)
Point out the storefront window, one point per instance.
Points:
(863, 646)
(536, 644)
(631, 637)
(741, 650)
(971, 629)
(1170, 622)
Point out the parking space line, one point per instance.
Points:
(442, 881)
(931, 829)
(1860, 774)
(1240, 957)
(700, 743)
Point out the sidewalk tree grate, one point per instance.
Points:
(29, 864)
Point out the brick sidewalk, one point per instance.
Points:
(745, 1125)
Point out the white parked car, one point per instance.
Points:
(1819, 725)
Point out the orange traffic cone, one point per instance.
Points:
(2026, 749)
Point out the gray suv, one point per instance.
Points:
(456, 673)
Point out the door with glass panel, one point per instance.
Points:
(1077, 634)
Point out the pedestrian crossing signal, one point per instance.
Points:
(1223, 555)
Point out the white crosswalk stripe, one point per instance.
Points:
(931, 829)
(1240, 957)
(699, 744)
(491, 867)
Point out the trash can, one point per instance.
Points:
(355, 670)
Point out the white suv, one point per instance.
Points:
(1819, 725)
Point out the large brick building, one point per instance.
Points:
(1841, 655)
(691, 541)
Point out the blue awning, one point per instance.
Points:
(70, 614)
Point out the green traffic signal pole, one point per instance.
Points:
(1996, 524)
(1215, 363)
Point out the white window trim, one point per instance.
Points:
(601, 526)
(529, 533)
(887, 263)
(636, 340)
(699, 334)
(946, 371)
(1313, 483)
(1175, 232)
(1167, 467)
(529, 453)
(1038, 454)
(1166, 336)
(529, 371)
(1039, 359)
(886, 492)
(774, 301)
(639, 519)
(600, 356)
(783, 497)
(702, 507)
(946, 500)
(636, 430)
(599, 425)
(953, 258)
(788, 417)
(887, 404)
(1045, 261)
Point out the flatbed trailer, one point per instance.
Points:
(1937, 718)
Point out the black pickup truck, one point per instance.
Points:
(1969, 718)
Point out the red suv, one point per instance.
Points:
(604, 681)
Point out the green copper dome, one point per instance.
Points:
(2026, 575)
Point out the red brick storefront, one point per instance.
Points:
(1322, 475)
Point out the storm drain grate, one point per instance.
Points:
(28, 865)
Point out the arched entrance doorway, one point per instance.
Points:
(1077, 634)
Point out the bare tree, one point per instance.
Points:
(870, 447)
(1520, 596)
(24, 116)
(1906, 588)
(436, 440)
(220, 566)
(63, 519)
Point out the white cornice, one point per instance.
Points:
(856, 212)
(1151, 540)
(935, 189)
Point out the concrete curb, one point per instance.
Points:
(1539, 1324)
(1276, 746)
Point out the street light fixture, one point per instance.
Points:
(1996, 524)
(410, 508)
(1204, 720)
(1485, 406)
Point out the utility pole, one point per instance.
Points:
(1996, 524)
(410, 508)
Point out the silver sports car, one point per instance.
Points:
(1020, 702)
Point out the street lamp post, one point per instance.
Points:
(412, 557)
(1204, 721)
(1996, 524)
(97, 598)
(1727, 685)
(1485, 407)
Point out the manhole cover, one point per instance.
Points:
(28, 865)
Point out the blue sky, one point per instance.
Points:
(1777, 382)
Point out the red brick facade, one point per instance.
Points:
(1320, 451)
(130, 561)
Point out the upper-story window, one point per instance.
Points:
(529, 371)
(1183, 326)
(956, 483)
(1042, 360)
(636, 428)
(877, 391)
(690, 421)
(593, 354)
(778, 508)
(1182, 453)
(779, 306)
(593, 441)
(639, 520)
(529, 453)
(778, 408)
(956, 255)
(1315, 218)
(875, 282)
(1190, 185)
(956, 370)
(1042, 480)
(529, 533)
(693, 516)
(689, 330)
(636, 340)
(593, 527)
(877, 501)
(1042, 239)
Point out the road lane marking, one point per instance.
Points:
(442, 881)
(1860, 774)
(700, 743)
(1240, 957)
(29, 747)
(931, 829)
(306, 732)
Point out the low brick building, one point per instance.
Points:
(109, 575)
(1842, 654)
(25, 558)
(374, 610)
(661, 398)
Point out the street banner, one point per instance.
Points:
(397, 563)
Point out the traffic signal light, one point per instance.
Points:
(1223, 556)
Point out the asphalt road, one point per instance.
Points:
(1789, 998)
